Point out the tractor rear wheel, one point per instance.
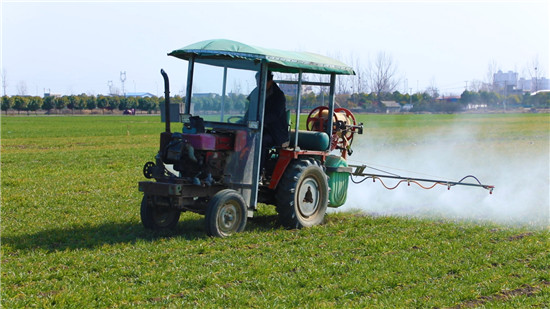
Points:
(302, 195)
(157, 217)
(226, 214)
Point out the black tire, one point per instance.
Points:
(157, 218)
(302, 195)
(226, 214)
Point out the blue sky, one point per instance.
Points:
(73, 47)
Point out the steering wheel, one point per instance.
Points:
(235, 119)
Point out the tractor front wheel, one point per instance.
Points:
(158, 217)
(225, 214)
(302, 195)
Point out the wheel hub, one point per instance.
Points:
(228, 217)
(308, 197)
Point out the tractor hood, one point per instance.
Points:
(278, 60)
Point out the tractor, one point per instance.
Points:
(212, 165)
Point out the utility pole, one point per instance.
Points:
(4, 82)
(505, 93)
(110, 84)
(123, 79)
(536, 80)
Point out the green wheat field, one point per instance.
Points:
(71, 235)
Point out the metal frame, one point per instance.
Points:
(358, 170)
(300, 83)
(189, 90)
(258, 137)
(256, 116)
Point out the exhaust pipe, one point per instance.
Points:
(166, 100)
(166, 136)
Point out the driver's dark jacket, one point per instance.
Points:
(275, 117)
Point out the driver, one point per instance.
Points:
(275, 128)
(275, 117)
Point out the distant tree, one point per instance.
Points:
(131, 102)
(80, 104)
(48, 103)
(239, 102)
(309, 100)
(543, 99)
(535, 70)
(400, 98)
(102, 102)
(35, 103)
(419, 105)
(382, 75)
(341, 99)
(490, 98)
(123, 103)
(61, 102)
(21, 88)
(154, 104)
(74, 102)
(91, 102)
(159, 101)
(514, 100)
(113, 102)
(492, 68)
(433, 92)
(148, 104)
(20, 103)
(360, 80)
(476, 85)
(7, 103)
(178, 99)
(469, 97)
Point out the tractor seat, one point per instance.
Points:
(310, 140)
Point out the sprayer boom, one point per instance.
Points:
(359, 171)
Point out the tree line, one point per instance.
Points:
(428, 102)
(367, 102)
(79, 102)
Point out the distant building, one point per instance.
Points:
(533, 85)
(205, 95)
(49, 94)
(407, 107)
(139, 95)
(509, 83)
(505, 82)
(290, 89)
(392, 106)
(449, 99)
(475, 106)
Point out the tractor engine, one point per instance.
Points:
(200, 158)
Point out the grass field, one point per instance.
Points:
(72, 236)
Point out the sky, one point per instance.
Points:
(74, 47)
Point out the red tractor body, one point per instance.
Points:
(213, 165)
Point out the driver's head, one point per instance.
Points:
(269, 77)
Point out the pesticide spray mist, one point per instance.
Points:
(517, 165)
